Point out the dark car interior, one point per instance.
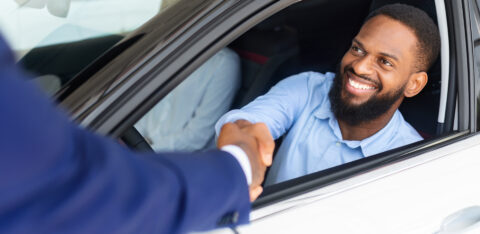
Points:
(308, 36)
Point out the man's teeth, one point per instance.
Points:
(358, 85)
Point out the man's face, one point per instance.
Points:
(375, 70)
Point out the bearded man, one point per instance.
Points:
(333, 119)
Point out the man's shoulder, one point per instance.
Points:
(397, 133)
(313, 76)
(310, 79)
(405, 132)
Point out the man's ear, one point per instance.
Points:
(415, 84)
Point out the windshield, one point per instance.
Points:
(55, 39)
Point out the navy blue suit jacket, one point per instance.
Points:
(56, 177)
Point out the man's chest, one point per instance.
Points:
(318, 142)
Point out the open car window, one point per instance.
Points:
(55, 40)
(286, 44)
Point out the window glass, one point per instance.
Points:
(55, 39)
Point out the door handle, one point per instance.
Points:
(464, 221)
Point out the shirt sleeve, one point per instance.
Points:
(58, 178)
(242, 159)
(278, 109)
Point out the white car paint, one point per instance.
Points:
(412, 196)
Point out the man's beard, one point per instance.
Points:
(354, 115)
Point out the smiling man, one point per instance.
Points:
(333, 119)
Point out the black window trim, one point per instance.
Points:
(474, 25)
(458, 15)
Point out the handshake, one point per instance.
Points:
(257, 142)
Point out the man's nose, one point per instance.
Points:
(363, 65)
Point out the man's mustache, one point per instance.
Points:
(350, 70)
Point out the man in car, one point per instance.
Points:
(333, 119)
(56, 177)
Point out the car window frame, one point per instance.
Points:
(475, 27)
(461, 65)
(92, 87)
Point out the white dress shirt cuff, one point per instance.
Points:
(242, 159)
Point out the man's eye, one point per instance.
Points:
(386, 62)
(357, 50)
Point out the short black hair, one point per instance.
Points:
(421, 24)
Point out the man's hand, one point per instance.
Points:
(258, 144)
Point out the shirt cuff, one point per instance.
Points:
(242, 159)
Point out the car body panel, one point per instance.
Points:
(413, 196)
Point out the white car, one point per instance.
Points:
(108, 81)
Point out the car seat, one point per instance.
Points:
(264, 50)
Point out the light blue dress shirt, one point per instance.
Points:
(300, 106)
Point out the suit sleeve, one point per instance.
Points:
(58, 178)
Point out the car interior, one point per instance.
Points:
(307, 36)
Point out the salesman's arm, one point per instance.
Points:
(56, 177)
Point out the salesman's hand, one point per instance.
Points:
(258, 144)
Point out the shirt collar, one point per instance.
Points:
(370, 145)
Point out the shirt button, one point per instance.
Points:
(339, 144)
